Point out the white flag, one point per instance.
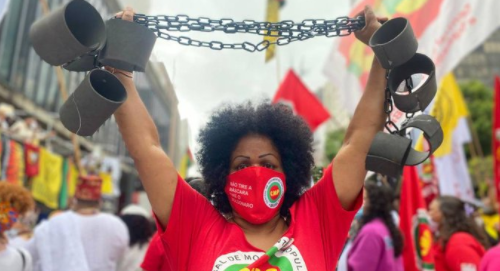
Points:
(447, 31)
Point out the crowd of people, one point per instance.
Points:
(84, 238)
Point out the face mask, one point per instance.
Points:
(12, 233)
(256, 193)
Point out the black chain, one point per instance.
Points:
(285, 31)
(388, 107)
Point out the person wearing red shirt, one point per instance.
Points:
(256, 161)
(460, 243)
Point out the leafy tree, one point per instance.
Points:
(479, 99)
(334, 142)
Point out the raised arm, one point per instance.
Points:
(156, 170)
(349, 164)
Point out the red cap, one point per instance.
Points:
(88, 188)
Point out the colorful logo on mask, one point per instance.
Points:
(423, 240)
(289, 260)
(273, 192)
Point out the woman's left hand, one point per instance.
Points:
(372, 24)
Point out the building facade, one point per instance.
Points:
(31, 85)
(483, 63)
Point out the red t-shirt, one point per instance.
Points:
(198, 237)
(154, 260)
(463, 252)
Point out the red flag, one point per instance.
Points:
(414, 224)
(293, 92)
(496, 137)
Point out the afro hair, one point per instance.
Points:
(19, 197)
(289, 133)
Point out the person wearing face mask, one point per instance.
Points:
(256, 161)
(460, 244)
(15, 203)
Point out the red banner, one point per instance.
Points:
(496, 137)
(414, 224)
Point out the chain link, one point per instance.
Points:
(286, 32)
(388, 107)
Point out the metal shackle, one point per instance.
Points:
(388, 154)
(394, 43)
(432, 132)
(419, 98)
(68, 32)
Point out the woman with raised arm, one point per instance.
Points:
(256, 161)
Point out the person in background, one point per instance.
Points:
(491, 260)
(139, 227)
(342, 264)
(22, 231)
(15, 202)
(155, 259)
(83, 238)
(379, 243)
(460, 243)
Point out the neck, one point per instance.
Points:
(86, 210)
(274, 226)
(3, 242)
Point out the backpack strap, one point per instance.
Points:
(23, 257)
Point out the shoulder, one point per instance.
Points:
(112, 220)
(374, 226)
(461, 238)
(373, 229)
(492, 255)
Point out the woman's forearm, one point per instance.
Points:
(136, 125)
(369, 116)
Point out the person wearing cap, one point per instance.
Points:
(15, 203)
(141, 230)
(256, 161)
(83, 238)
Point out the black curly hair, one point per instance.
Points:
(380, 206)
(139, 228)
(289, 133)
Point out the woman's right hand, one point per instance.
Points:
(128, 15)
(156, 170)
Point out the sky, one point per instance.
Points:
(204, 79)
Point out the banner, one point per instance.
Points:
(450, 163)
(304, 103)
(47, 184)
(272, 16)
(496, 138)
(414, 224)
(186, 162)
(447, 30)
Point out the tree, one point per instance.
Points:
(334, 141)
(479, 99)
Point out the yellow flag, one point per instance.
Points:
(449, 107)
(272, 16)
(72, 179)
(47, 184)
(186, 162)
(107, 183)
